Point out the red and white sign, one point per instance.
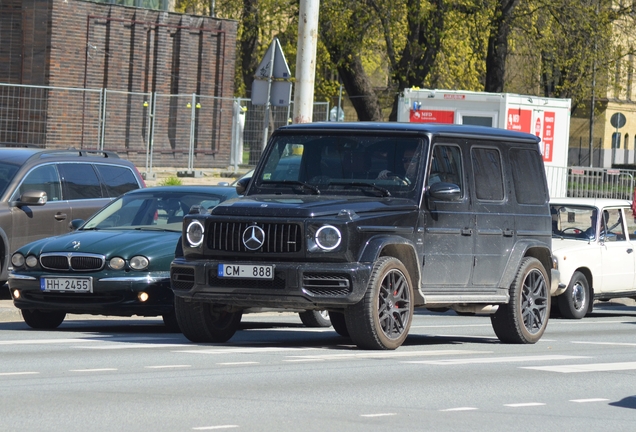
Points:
(548, 135)
(432, 116)
(519, 120)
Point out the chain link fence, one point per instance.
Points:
(152, 130)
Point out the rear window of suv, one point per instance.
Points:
(80, 181)
(117, 180)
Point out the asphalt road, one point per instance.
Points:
(275, 375)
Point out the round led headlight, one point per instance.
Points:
(117, 263)
(328, 237)
(17, 260)
(138, 262)
(31, 261)
(194, 233)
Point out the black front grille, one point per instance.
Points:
(182, 279)
(73, 261)
(321, 284)
(277, 283)
(279, 237)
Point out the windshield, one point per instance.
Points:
(365, 165)
(574, 222)
(7, 172)
(163, 211)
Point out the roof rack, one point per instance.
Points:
(81, 153)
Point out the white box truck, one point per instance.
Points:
(547, 118)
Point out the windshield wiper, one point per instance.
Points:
(385, 192)
(294, 183)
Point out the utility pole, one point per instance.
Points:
(306, 61)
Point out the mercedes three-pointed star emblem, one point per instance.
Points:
(253, 237)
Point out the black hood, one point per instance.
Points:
(308, 206)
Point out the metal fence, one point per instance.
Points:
(588, 182)
(153, 130)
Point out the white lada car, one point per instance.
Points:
(593, 241)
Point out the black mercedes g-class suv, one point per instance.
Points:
(368, 221)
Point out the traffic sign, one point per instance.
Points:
(271, 82)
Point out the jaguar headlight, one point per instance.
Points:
(31, 261)
(17, 260)
(117, 263)
(139, 262)
(328, 237)
(194, 233)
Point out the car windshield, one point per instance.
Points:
(342, 164)
(7, 172)
(574, 222)
(150, 211)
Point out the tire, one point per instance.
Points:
(574, 303)
(524, 319)
(42, 320)
(382, 319)
(203, 323)
(171, 323)
(339, 323)
(315, 319)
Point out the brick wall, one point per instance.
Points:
(78, 44)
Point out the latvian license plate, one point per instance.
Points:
(79, 285)
(246, 271)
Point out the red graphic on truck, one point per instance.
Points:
(432, 116)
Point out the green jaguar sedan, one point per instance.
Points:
(116, 263)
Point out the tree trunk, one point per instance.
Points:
(498, 46)
(248, 43)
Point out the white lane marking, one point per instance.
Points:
(259, 349)
(238, 363)
(93, 370)
(46, 341)
(522, 405)
(388, 354)
(167, 366)
(494, 360)
(452, 326)
(378, 415)
(215, 427)
(605, 343)
(124, 345)
(589, 400)
(594, 367)
(459, 409)
(304, 360)
(18, 373)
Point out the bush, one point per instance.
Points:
(171, 181)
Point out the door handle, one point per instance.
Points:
(630, 250)
(60, 216)
(467, 231)
(508, 232)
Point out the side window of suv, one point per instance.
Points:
(80, 181)
(117, 180)
(43, 178)
(446, 165)
(528, 177)
(488, 175)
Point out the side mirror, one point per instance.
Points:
(32, 198)
(75, 224)
(241, 185)
(445, 191)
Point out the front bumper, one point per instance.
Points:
(295, 284)
(111, 296)
(556, 287)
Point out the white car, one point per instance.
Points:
(593, 241)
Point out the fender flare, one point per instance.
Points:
(520, 250)
(400, 248)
